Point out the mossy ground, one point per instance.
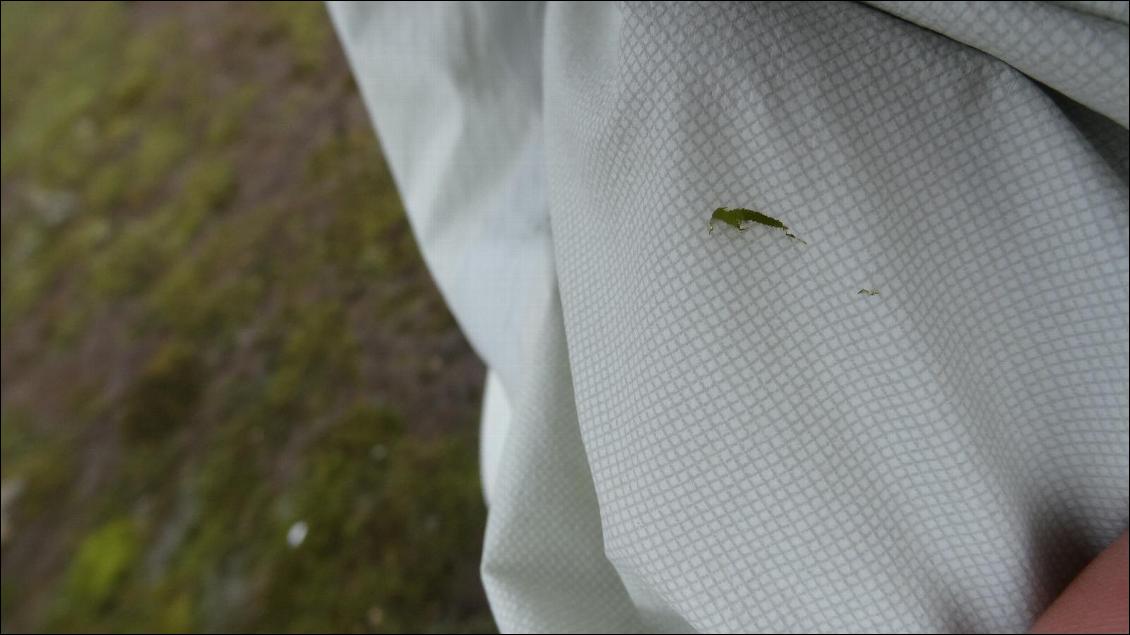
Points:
(216, 325)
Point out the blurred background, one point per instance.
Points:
(232, 397)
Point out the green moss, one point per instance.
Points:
(22, 289)
(160, 147)
(193, 306)
(368, 235)
(211, 292)
(131, 261)
(303, 27)
(55, 108)
(17, 435)
(140, 253)
(176, 615)
(9, 594)
(361, 487)
(165, 397)
(98, 570)
(210, 185)
(106, 186)
(139, 76)
(319, 355)
(42, 461)
(226, 120)
(136, 144)
(47, 473)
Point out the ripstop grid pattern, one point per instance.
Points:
(770, 450)
(543, 565)
(1073, 47)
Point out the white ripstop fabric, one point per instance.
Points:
(716, 432)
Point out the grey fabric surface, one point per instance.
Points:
(714, 431)
(1079, 49)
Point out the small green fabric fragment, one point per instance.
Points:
(737, 216)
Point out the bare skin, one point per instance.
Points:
(1096, 600)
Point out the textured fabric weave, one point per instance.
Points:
(715, 431)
